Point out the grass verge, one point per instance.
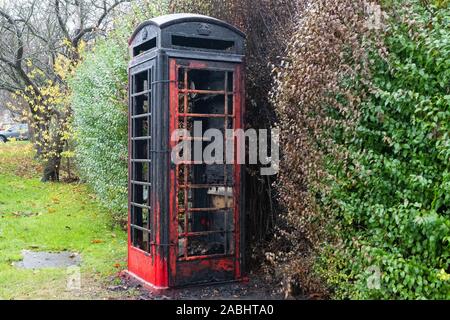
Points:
(52, 217)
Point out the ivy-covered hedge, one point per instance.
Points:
(99, 102)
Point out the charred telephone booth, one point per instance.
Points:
(185, 218)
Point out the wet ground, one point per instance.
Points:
(43, 259)
(256, 288)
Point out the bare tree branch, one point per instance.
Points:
(106, 11)
(61, 22)
(33, 35)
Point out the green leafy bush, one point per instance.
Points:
(366, 177)
(100, 120)
(99, 101)
(393, 199)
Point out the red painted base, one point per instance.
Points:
(126, 274)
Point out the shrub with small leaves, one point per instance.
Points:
(367, 145)
(100, 120)
(314, 95)
(99, 101)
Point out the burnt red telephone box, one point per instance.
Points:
(185, 217)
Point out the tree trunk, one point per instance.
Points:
(51, 169)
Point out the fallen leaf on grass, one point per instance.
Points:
(96, 241)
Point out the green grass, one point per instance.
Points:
(52, 217)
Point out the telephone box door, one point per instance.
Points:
(205, 101)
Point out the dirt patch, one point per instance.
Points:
(256, 288)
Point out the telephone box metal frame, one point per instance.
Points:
(162, 219)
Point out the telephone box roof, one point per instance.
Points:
(170, 19)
